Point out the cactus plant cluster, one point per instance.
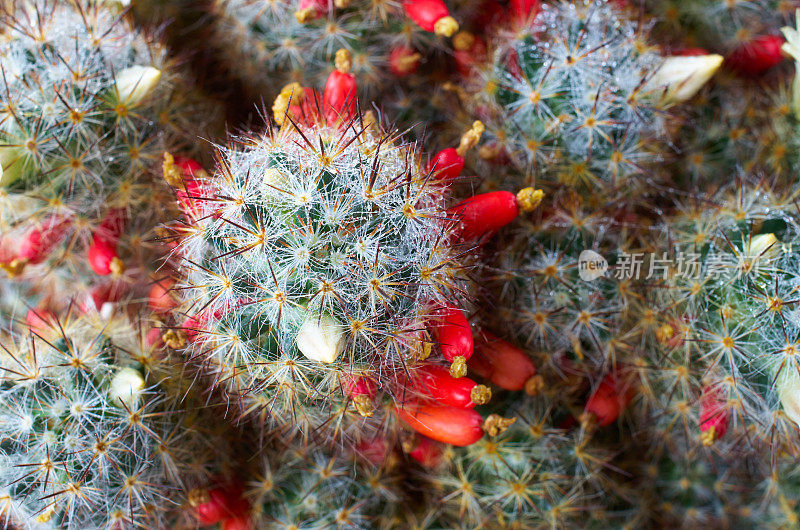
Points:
(89, 104)
(456, 264)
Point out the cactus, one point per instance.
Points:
(577, 96)
(90, 103)
(736, 287)
(290, 41)
(86, 443)
(322, 252)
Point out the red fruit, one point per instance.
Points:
(446, 165)
(713, 415)
(470, 50)
(482, 216)
(217, 504)
(755, 57)
(609, 399)
(504, 364)
(99, 295)
(39, 241)
(453, 333)
(435, 381)
(431, 15)
(524, 10)
(240, 522)
(403, 60)
(426, 451)
(362, 391)
(160, 299)
(102, 253)
(341, 92)
(450, 425)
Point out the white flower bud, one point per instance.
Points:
(12, 161)
(682, 77)
(126, 387)
(135, 83)
(760, 243)
(320, 339)
(789, 393)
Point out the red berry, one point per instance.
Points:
(340, 97)
(713, 415)
(609, 399)
(453, 333)
(240, 522)
(220, 503)
(446, 165)
(403, 60)
(102, 253)
(160, 298)
(482, 216)
(503, 364)
(39, 241)
(450, 425)
(426, 451)
(524, 10)
(435, 381)
(755, 57)
(39, 319)
(426, 13)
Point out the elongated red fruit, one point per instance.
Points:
(187, 176)
(341, 91)
(436, 382)
(482, 216)
(756, 56)
(102, 252)
(308, 10)
(504, 364)
(609, 399)
(446, 165)
(40, 319)
(431, 15)
(450, 425)
(713, 415)
(455, 337)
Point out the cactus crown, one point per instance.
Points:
(79, 442)
(571, 94)
(322, 254)
(76, 111)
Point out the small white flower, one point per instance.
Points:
(320, 339)
(682, 77)
(135, 83)
(126, 387)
